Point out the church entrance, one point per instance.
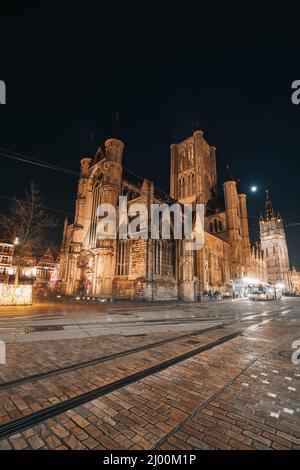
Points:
(86, 265)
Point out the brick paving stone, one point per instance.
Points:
(60, 431)
(82, 422)
(35, 442)
(93, 430)
(5, 445)
(238, 445)
(79, 433)
(214, 442)
(53, 442)
(139, 415)
(18, 443)
(73, 443)
(198, 443)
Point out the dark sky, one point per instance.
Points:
(69, 67)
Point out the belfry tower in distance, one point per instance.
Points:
(273, 243)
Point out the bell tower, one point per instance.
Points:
(273, 243)
(193, 175)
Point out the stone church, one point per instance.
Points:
(160, 269)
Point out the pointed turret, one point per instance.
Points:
(228, 175)
(66, 223)
(269, 211)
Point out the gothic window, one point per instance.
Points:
(123, 258)
(190, 156)
(163, 258)
(158, 257)
(182, 161)
(195, 263)
(190, 185)
(183, 186)
(193, 183)
(216, 226)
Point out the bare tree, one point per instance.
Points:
(26, 225)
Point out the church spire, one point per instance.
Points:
(269, 211)
(228, 175)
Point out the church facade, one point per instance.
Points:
(160, 269)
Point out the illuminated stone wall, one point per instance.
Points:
(15, 295)
(159, 270)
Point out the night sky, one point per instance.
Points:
(222, 67)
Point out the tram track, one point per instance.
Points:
(124, 323)
(100, 359)
(119, 354)
(21, 424)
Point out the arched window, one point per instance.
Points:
(211, 227)
(192, 155)
(182, 161)
(193, 183)
(216, 225)
(180, 188)
(220, 226)
(183, 187)
(123, 257)
(189, 189)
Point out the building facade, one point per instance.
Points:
(46, 272)
(41, 272)
(274, 246)
(6, 260)
(158, 269)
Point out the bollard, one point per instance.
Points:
(2, 353)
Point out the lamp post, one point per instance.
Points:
(16, 244)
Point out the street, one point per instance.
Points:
(211, 375)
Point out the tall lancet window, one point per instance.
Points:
(123, 257)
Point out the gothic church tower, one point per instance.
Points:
(273, 243)
(193, 175)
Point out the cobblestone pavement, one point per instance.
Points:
(241, 394)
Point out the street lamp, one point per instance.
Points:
(17, 243)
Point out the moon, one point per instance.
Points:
(253, 189)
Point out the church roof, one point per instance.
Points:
(228, 175)
(215, 206)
